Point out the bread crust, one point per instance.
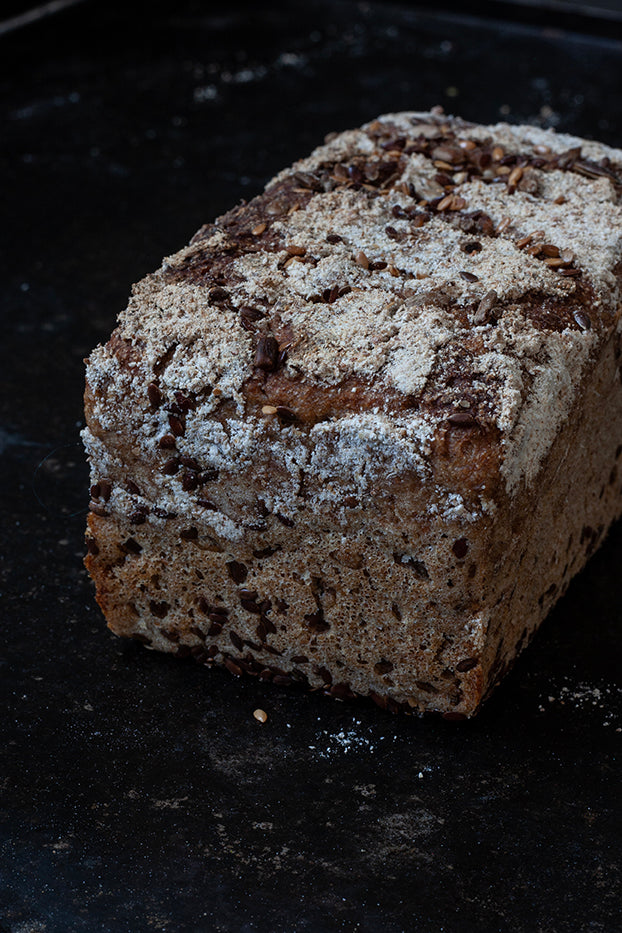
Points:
(370, 419)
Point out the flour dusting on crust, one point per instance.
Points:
(413, 278)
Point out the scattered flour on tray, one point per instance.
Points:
(329, 744)
(581, 696)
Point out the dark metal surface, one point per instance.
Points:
(607, 9)
(137, 792)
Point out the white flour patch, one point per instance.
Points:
(327, 744)
(581, 696)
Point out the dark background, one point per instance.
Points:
(137, 792)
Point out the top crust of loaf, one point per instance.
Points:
(420, 296)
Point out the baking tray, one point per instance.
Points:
(137, 792)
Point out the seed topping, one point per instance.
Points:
(267, 354)
(154, 395)
(583, 319)
(514, 177)
(484, 308)
(249, 317)
(461, 419)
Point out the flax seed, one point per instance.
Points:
(267, 354)
(484, 309)
(515, 176)
(524, 241)
(461, 419)
(583, 319)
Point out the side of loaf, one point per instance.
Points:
(362, 432)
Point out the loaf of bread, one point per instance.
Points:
(361, 433)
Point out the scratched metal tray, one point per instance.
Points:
(137, 792)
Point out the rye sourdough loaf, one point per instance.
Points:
(361, 433)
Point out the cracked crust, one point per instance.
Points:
(412, 314)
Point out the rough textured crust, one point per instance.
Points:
(363, 430)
